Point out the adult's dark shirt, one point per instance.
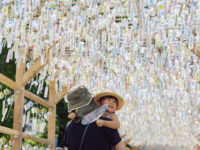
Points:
(96, 138)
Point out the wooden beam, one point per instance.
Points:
(52, 117)
(37, 99)
(61, 94)
(18, 105)
(37, 139)
(8, 131)
(10, 83)
(35, 69)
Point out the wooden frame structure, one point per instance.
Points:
(22, 78)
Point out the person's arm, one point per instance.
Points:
(114, 123)
(120, 146)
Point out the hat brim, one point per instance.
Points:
(84, 102)
(119, 98)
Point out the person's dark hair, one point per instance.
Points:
(108, 96)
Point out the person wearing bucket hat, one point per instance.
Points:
(80, 103)
(84, 137)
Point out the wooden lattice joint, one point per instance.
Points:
(10, 83)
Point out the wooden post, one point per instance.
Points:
(18, 106)
(52, 117)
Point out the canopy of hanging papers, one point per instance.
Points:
(144, 50)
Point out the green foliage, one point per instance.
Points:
(9, 70)
(5, 140)
(33, 143)
(61, 118)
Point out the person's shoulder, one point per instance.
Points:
(73, 128)
(72, 124)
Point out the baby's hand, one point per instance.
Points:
(72, 116)
(99, 123)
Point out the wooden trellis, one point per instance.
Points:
(22, 78)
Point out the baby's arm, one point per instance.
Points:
(72, 116)
(114, 123)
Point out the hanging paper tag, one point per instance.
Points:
(38, 125)
(38, 90)
(16, 45)
(42, 59)
(24, 120)
(52, 75)
(3, 108)
(5, 11)
(46, 92)
(42, 126)
(4, 114)
(9, 56)
(28, 117)
(34, 122)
